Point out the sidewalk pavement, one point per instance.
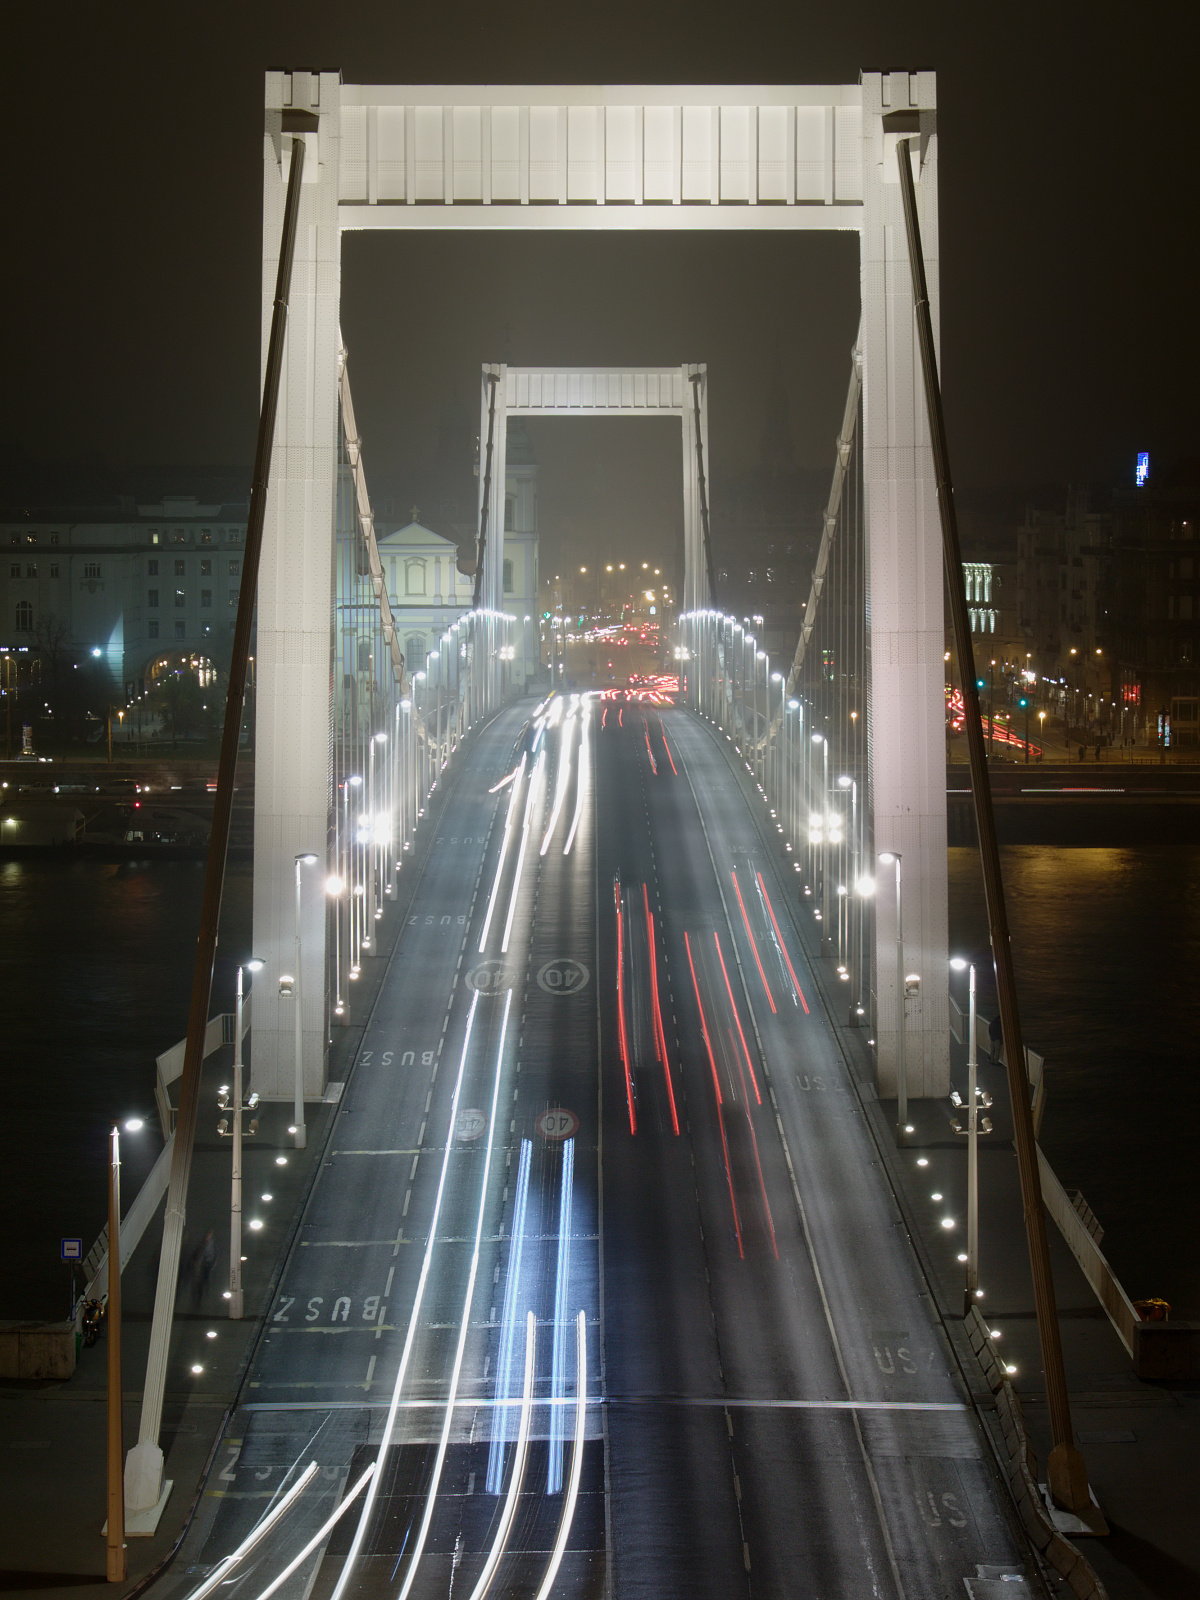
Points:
(1141, 1441)
(52, 1469)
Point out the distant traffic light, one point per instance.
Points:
(981, 683)
(1022, 702)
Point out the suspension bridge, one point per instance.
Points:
(588, 1293)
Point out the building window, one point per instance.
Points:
(53, 538)
(508, 577)
(180, 536)
(91, 569)
(414, 576)
(510, 514)
(14, 538)
(206, 568)
(206, 597)
(152, 569)
(14, 570)
(151, 597)
(233, 597)
(414, 651)
(153, 535)
(235, 568)
(31, 570)
(234, 536)
(206, 536)
(180, 628)
(31, 538)
(180, 568)
(54, 569)
(24, 623)
(180, 598)
(206, 630)
(152, 628)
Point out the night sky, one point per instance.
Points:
(1069, 275)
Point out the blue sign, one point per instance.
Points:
(71, 1249)
(1143, 468)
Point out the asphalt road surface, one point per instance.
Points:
(599, 1089)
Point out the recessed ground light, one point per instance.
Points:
(226, 1295)
(947, 1222)
(1010, 1370)
(256, 1224)
(922, 1161)
(962, 1255)
(935, 1196)
(268, 1198)
(197, 1368)
(211, 1334)
(281, 1161)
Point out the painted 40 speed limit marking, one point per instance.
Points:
(563, 976)
(558, 1123)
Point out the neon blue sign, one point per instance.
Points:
(1143, 468)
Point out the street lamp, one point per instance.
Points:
(972, 1130)
(906, 984)
(307, 859)
(232, 1127)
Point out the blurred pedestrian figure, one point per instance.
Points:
(200, 1266)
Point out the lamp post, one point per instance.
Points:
(906, 984)
(116, 1448)
(975, 1126)
(233, 1128)
(826, 941)
(305, 860)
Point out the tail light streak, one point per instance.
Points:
(779, 941)
(737, 1222)
(621, 1036)
(736, 1018)
(667, 747)
(660, 1038)
(749, 934)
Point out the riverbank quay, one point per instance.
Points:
(1084, 805)
(52, 1475)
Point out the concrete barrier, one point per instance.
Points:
(1020, 1465)
(32, 1350)
(1168, 1352)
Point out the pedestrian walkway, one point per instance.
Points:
(52, 1469)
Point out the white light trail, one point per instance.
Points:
(561, 1284)
(518, 1471)
(320, 1536)
(368, 1504)
(568, 1516)
(444, 1441)
(258, 1532)
(582, 783)
(495, 1470)
(538, 768)
(564, 778)
(508, 822)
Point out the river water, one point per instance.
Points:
(95, 974)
